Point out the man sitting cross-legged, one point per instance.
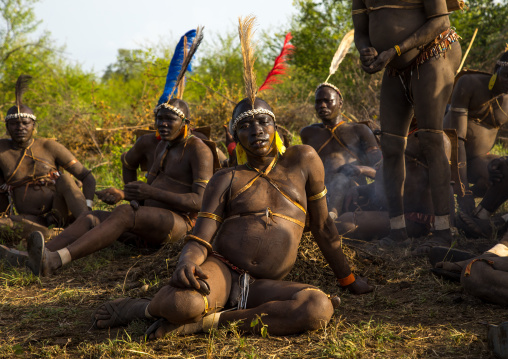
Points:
(348, 150)
(255, 214)
(176, 184)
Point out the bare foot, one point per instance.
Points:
(359, 286)
(120, 312)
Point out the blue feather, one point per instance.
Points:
(175, 66)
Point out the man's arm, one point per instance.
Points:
(437, 22)
(369, 145)
(65, 159)
(4, 200)
(461, 99)
(202, 170)
(323, 228)
(194, 254)
(131, 160)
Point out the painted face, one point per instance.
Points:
(256, 134)
(327, 104)
(502, 80)
(20, 129)
(169, 124)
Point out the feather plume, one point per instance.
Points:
(186, 61)
(279, 68)
(246, 31)
(341, 52)
(181, 86)
(175, 66)
(21, 87)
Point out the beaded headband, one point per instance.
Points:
(250, 113)
(172, 109)
(327, 84)
(20, 115)
(502, 63)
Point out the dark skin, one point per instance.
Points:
(35, 202)
(471, 92)
(141, 155)
(375, 38)
(367, 224)
(339, 163)
(157, 221)
(267, 252)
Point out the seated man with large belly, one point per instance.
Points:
(172, 196)
(348, 150)
(32, 180)
(255, 214)
(479, 107)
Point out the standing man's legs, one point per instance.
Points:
(395, 116)
(432, 85)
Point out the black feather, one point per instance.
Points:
(195, 44)
(21, 87)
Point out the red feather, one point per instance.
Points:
(279, 68)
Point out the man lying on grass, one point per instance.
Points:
(255, 214)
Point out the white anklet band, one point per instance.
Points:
(89, 203)
(442, 222)
(147, 314)
(398, 222)
(211, 322)
(65, 256)
(499, 249)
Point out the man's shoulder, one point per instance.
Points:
(312, 127)
(301, 152)
(5, 144)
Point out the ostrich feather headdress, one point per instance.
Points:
(179, 65)
(20, 89)
(340, 54)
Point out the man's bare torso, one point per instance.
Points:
(34, 200)
(254, 242)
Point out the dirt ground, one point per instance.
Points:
(411, 314)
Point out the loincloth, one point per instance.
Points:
(435, 48)
(239, 293)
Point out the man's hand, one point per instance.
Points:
(110, 195)
(188, 275)
(368, 55)
(381, 61)
(496, 167)
(138, 191)
(351, 197)
(359, 286)
(349, 170)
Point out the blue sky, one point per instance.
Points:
(93, 30)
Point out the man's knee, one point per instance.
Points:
(179, 306)
(314, 310)
(392, 146)
(125, 214)
(431, 141)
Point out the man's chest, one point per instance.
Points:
(19, 164)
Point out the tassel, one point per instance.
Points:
(341, 52)
(279, 68)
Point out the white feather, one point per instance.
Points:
(341, 52)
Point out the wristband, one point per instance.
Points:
(347, 281)
(397, 48)
(231, 148)
(89, 203)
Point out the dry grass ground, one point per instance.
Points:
(411, 314)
